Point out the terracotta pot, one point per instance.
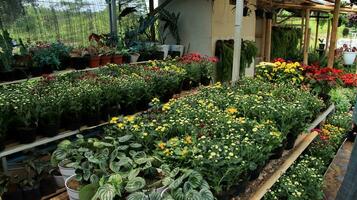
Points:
(118, 59)
(105, 60)
(94, 61)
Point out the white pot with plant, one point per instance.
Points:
(72, 187)
(349, 54)
(66, 170)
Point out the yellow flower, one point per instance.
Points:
(161, 145)
(136, 127)
(232, 110)
(114, 120)
(166, 107)
(121, 125)
(188, 140)
(145, 134)
(130, 118)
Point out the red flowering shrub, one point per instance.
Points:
(196, 57)
(349, 79)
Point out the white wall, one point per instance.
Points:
(194, 24)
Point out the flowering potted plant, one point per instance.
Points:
(349, 54)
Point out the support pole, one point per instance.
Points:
(152, 28)
(113, 18)
(306, 36)
(331, 52)
(237, 41)
(317, 29)
(269, 26)
(328, 34)
(264, 28)
(302, 29)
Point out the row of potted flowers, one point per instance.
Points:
(211, 132)
(79, 98)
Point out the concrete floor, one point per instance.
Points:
(335, 173)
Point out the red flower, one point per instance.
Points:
(279, 60)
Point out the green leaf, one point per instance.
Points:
(116, 180)
(195, 179)
(137, 196)
(154, 196)
(123, 147)
(206, 194)
(174, 172)
(133, 173)
(193, 195)
(125, 138)
(135, 184)
(88, 191)
(167, 181)
(114, 166)
(179, 195)
(140, 157)
(105, 192)
(135, 145)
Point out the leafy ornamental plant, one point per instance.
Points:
(44, 57)
(171, 23)
(6, 47)
(4, 181)
(249, 51)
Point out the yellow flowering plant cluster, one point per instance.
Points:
(280, 71)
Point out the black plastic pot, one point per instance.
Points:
(245, 11)
(91, 118)
(205, 80)
(32, 193)
(351, 135)
(109, 111)
(14, 193)
(255, 174)
(290, 141)
(278, 152)
(21, 73)
(71, 121)
(186, 84)
(49, 128)
(47, 69)
(166, 97)
(7, 76)
(48, 186)
(233, 192)
(321, 46)
(36, 71)
(79, 63)
(26, 135)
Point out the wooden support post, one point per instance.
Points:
(302, 29)
(328, 34)
(317, 29)
(331, 52)
(152, 28)
(269, 26)
(306, 36)
(237, 41)
(262, 49)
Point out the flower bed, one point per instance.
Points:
(305, 179)
(85, 98)
(212, 132)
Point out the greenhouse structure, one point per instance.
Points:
(178, 99)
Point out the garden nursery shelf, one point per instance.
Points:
(276, 168)
(15, 148)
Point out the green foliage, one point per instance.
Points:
(285, 43)
(6, 47)
(171, 23)
(248, 53)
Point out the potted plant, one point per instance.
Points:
(94, 59)
(6, 59)
(11, 188)
(31, 183)
(45, 59)
(71, 116)
(25, 114)
(91, 101)
(51, 108)
(349, 54)
(171, 24)
(79, 58)
(22, 60)
(117, 56)
(4, 118)
(105, 54)
(4, 182)
(62, 52)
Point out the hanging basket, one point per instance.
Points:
(349, 57)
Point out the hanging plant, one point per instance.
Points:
(248, 53)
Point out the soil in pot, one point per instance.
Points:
(48, 186)
(49, 128)
(94, 61)
(118, 59)
(26, 135)
(31, 193)
(105, 60)
(71, 121)
(14, 193)
(72, 187)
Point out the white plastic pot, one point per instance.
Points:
(349, 57)
(65, 171)
(164, 48)
(134, 57)
(177, 48)
(72, 194)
